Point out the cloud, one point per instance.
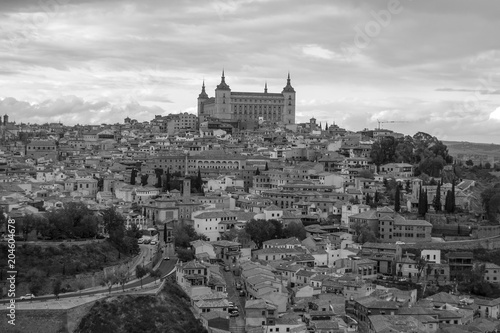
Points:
(72, 110)
(151, 56)
(495, 115)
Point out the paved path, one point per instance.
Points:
(165, 267)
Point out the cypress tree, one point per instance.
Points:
(426, 203)
(132, 176)
(452, 200)
(266, 168)
(368, 198)
(447, 204)
(397, 200)
(167, 181)
(257, 172)
(437, 198)
(376, 199)
(199, 181)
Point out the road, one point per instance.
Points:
(166, 267)
(233, 296)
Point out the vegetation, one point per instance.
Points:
(262, 230)
(43, 262)
(363, 233)
(490, 199)
(114, 226)
(167, 312)
(426, 152)
(75, 220)
(185, 234)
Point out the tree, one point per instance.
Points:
(36, 280)
(294, 230)
(421, 203)
(199, 181)
(166, 182)
(366, 174)
(155, 274)
(260, 231)
(140, 272)
(447, 205)
(144, 179)
(133, 175)
(376, 199)
(368, 199)
(421, 265)
(109, 280)
(363, 233)
(266, 168)
(469, 163)
(122, 276)
(56, 288)
(257, 172)
(158, 174)
(29, 224)
(184, 254)
(437, 198)
(185, 234)
(487, 165)
(397, 200)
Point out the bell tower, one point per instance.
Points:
(289, 107)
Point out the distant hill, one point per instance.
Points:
(167, 312)
(458, 147)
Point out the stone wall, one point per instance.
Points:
(45, 320)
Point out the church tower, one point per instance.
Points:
(223, 100)
(202, 97)
(289, 107)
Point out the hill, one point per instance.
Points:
(167, 312)
(457, 147)
(39, 264)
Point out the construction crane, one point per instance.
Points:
(389, 122)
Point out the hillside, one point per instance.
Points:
(167, 312)
(44, 263)
(457, 147)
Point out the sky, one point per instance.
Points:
(430, 66)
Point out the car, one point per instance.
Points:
(28, 296)
(166, 258)
(153, 242)
(140, 240)
(227, 269)
(242, 293)
(238, 286)
(402, 279)
(147, 241)
(233, 312)
(231, 304)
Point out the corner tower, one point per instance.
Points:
(289, 107)
(223, 99)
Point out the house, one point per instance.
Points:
(259, 313)
(460, 263)
(399, 323)
(492, 273)
(215, 321)
(488, 308)
(368, 306)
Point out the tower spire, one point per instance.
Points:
(265, 88)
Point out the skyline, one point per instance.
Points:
(351, 62)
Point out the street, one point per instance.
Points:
(233, 296)
(166, 267)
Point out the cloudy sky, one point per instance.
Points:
(432, 66)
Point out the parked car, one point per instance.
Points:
(233, 312)
(231, 304)
(227, 269)
(238, 286)
(242, 293)
(166, 258)
(147, 241)
(153, 242)
(140, 240)
(28, 296)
